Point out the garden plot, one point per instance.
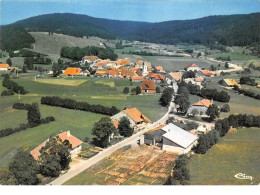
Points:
(136, 166)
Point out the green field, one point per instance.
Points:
(235, 56)
(79, 123)
(235, 153)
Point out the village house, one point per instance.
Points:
(159, 69)
(101, 73)
(76, 145)
(229, 83)
(134, 116)
(201, 107)
(148, 86)
(89, 59)
(158, 78)
(72, 71)
(171, 138)
(205, 73)
(137, 79)
(192, 67)
(174, 76)
(4, 67)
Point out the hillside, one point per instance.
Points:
(52, 44)
(229, 30)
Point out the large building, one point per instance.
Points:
(134, 116)
(76, 145)
(171, 138)
(192, 67)
(4, 67)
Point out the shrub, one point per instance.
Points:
(20, 106)
(225, 108)
(7, 93)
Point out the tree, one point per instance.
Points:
(33, 114)
(56, 68)
(102, 131)
(199, 54)
(24, 69)
(158, 90)
(166, 97)
(213, 111)
(124, 127)
(225, 108)
(126, 90)
(133, 91)
(226, 65)
(9, 62)
(55, 157)
(24, 168)
(138, 90)
(183, 103)
(28, 61)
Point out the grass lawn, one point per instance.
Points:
(235, 153)
(80, 123)
(235, 56)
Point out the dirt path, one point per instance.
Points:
(84, 164)
(235, 67)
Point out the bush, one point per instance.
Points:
(20, 106)
(7, 93)
(12, 85)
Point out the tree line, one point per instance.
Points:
(84, 106)
(248, 81)
(77, 53)
(33, 117)
(13, 86)
(221, 96)
(247, 93)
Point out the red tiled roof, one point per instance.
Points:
(148, 84)
(72, 71)
(122, 62)
(4, 65)
(207, 72)
(198, 79)
(155, 76)
(112, 72)
(158, 67)
(137, 78)
(134, 69)
(116, 123)
(176, 75)
(136, 115)
(91, 58)
(204, 102)
(191, 65)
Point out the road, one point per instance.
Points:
(84, 164)
(234, 67)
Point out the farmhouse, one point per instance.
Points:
(159, 69)
(4, 67)
(171, 138)
(148, 86)
(201, 106)
(133, 114)
(71, 71)
(192, 67)
(205, 73)
(229, 83)
(76, 145)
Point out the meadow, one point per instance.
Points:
(235, 153)
(107, 92)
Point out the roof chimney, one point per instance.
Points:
(68, 133)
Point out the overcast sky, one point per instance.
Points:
(137, 10)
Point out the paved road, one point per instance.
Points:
(84, 164)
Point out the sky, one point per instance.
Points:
(135, 10)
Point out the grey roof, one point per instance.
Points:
(178, 135)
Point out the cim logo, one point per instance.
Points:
(243, 176)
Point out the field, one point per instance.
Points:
(62, 81)
(79, 123)
(136, 166)
(236, 153)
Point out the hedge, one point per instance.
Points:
(84, 106)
